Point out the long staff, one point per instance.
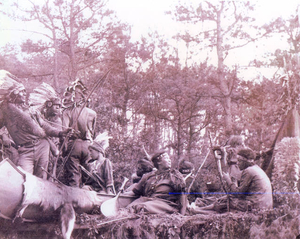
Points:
(101, 80)
(110, 207)
(92, 176)
(189, 188)
(216, 151)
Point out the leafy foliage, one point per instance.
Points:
(281, 222)
(285, 175)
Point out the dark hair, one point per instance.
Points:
(247, 153)
(143, 166)
(185, 166)
(156, 158)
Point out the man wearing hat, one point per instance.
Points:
(100, 166)
(160, 191)
(143, 166)
(253, 192)
(27, 128)
(83, 120)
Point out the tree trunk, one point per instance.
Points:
(72, 43)
(179, 140)
(55, 72)
(223, 84)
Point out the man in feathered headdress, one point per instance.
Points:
(28, 130)
(83, 120)
(100, 166)
(45, 100)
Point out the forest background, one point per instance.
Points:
(184, 93)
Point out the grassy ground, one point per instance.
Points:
(281, 222)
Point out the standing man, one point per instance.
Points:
(83, 120)
(45, 100)
(27, 129)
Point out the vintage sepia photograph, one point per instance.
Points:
(149, 119)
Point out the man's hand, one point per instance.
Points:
(65, 132)
(6, 141)
(227, 178)
(217, 153)
(110, 190)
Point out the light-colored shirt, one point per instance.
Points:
(85, 124)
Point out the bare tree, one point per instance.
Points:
(78, 32)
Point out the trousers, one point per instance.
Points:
(78, 154)
(34, 157)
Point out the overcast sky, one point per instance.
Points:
(149, 15)
(145, 15)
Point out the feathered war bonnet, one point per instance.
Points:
(43, 96)
(9, 85)
(69, 94)
(77, 85)
(101, 143)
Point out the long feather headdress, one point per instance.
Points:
(40, 95)
(8, 83)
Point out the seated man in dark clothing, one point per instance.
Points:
(143, 166)
(254, 190)
(161, 191)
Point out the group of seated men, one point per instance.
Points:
(163, 190)
(160, 188)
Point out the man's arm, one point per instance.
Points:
(5, 140)
(3, 135)
(138, 189)
(91, 122)
(66, 119)
(109, 181)
(50, 130)
(2, 121)
(245, 182)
